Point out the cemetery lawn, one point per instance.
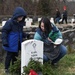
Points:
(66, 66)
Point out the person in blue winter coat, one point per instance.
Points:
(12, 35)
(48, 33)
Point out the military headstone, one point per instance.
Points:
(52, 20)
(3, 23)
(31, 49)
(28, 21)
(39, 19)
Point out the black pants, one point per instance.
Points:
(64, 19)
(10, 57)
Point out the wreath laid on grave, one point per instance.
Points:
(36, 68)
(33, 65)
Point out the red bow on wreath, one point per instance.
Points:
(32, 72)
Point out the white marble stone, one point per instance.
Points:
(3, 23)
(28, 21)
(31, 49)
(52, 20)
(72, 20)
(39, 19)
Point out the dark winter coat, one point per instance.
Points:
(12, 31)
(65, 13)
(58, 15)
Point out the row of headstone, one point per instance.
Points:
(29, 21)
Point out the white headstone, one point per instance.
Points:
(28, 21)
(72, 20)
(60, 20)
(52, 20)
(31, 49)
(3, 23)
(39, 19)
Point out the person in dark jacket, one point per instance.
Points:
(51, 51)
(57, 16)
(12, 34)
(64, 16)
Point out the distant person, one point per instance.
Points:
(48, 33)
(64, 18)
(12, 35)
(57, 16)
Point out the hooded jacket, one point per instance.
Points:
(12, 31)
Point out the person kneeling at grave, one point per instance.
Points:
(52, 38)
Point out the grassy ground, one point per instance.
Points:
(66, 66)
(1, 69)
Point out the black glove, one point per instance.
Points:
(6, 45)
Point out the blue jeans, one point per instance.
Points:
(63, 51)
(57, 20)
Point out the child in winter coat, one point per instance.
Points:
(12, 35)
